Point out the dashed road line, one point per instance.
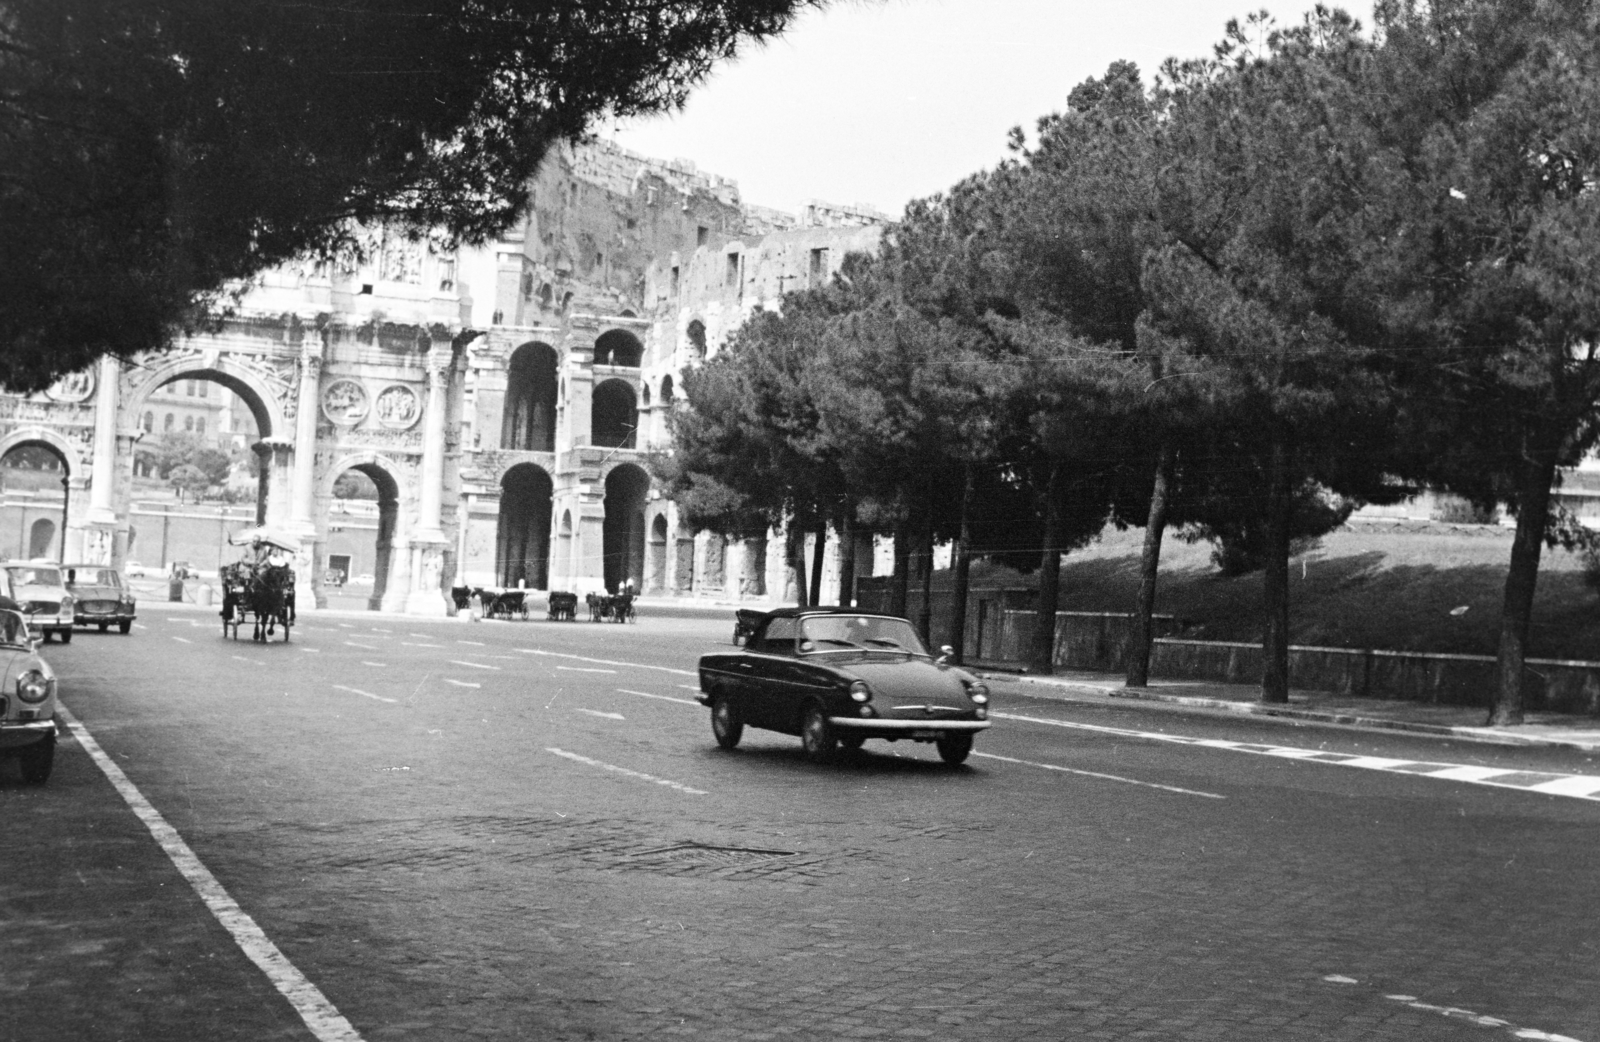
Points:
(364, 694)
(346, 626)
(664, 698)
(596, 712)
(253, 662)
(1577, 786)
(1482, 1020)
(474, 665)
(585, 669)
(609, 662)
(474, 643)
(366, 647)
(320, 1016)
(183, 640)
(379, 665)
(679, 786)
(414, 644)
(1097, 774)
(304, 648)
(460, 683)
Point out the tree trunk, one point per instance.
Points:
(1275, 576)
(925, 552)
(902, 572)
(795, 552)
(1143, 630)
(963, 572)
(1537, 474)
(1041, 656)
(847, 561)
(816, 561)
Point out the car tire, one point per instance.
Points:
(37, 760)
(953, 748)
(66, 636)
(125, 626)
(817, 736)
(725, 723)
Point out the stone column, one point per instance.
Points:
(303, 482)
(99, 536)
(427, 539)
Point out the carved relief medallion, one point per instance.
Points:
(74, 387)
(398, 407)
(345, 402)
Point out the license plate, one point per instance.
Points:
(925, 734)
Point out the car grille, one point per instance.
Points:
(99, 607)
(44, 607)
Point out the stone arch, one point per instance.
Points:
(260, 398)
(522, 541)
(618, 347)
(614, 415)
(73, 473)
(392, 491)
(627, 487)
(529, 421)
(62, 448)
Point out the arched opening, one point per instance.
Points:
(626, 488)
(697, 340)
(209, 448)
(613, 416)
(522, 545)
(666, 392)
(530, 408)
(658, 554)
(361, 528)
(618, 347)
(35, 474)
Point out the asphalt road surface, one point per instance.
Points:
(389, 828)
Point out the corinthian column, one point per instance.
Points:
(100, 534)
(427, 540)
(303, 495)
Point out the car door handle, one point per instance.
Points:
(746, 665)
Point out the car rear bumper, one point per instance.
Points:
(899, 727)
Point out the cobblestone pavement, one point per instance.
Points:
(412, 846)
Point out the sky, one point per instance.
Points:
(886, 101)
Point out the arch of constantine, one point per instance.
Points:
(503, 400)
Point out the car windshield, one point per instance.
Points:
(13, 628)
(94, 576)
(859, 633)
(35, 576)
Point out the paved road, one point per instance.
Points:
(426, 830)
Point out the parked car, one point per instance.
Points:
(38, 589)
(364, 579)
(27, 701)
(838, 676)
(135, 570)
(100, 597)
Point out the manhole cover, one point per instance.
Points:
(700, 854)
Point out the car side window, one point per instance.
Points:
(780, 635)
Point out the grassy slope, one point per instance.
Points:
(1375, 585)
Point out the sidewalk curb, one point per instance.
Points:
(1313, 716)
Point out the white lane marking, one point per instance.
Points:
(367, 647)
(664, 698)
(1577, 786)
(183, 640)
(303, 648)
(690, 687)
(364, 694)
(346, 626)
(630, 773)
(1107, 777)
(460, 683)
(419, 634)
(609, 662)
(140, 626)
(582, 669)
(380, 665)
(474, 643)
(320, 1015)
(596, 712)
(1480, 1019)
(377, 630)
(253, 662)
(474, 665)
(414, 644)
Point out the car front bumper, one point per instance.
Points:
(897, 728)
(14, 735)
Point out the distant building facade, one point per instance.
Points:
(503, 399)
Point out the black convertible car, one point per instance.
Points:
(838, 676)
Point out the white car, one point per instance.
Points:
(39, 591)
(134, 570)
(27, 701)
(364, 579)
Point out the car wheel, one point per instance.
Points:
(953, 748)
(817, 737)
(851, 742)
(125, 626)
(725, 723)
(37, 759)
(66, 636)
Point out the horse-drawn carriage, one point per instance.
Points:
(616, 607)
(259, 589)
(563, 606)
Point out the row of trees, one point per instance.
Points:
(1322, 267)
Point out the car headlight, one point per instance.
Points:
(860, 692)
(67, 604)
(33, 687)
(978, 693)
